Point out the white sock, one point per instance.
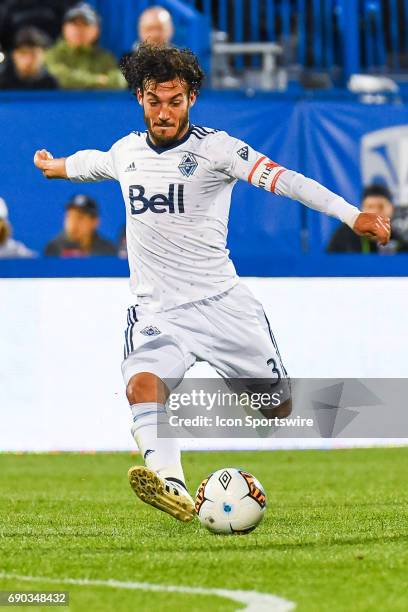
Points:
(160, 454)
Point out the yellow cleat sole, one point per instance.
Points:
(150, 489)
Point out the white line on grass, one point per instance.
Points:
(255, 602)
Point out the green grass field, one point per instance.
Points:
(335, 536)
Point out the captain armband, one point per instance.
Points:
(265, 173)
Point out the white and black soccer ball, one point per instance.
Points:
(230, 501)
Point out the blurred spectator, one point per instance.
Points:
(46, 15)
(10, 248)
(76, 60)
(25, 69)
(155, 26)
(375, 199)
(80, 238)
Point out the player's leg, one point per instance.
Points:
(150, 360)
(244, 350)
(284, 408)
(160, 482)
(147, 395)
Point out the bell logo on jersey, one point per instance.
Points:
(158, 203)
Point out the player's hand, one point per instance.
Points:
(50, 167)
(373, 226)
(40, 157)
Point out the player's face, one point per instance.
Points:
(79, 226)
(166, 110)
(378, 205)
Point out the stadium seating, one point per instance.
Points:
(354, 35)
(340, 37)
(45, 15)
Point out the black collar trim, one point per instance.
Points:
(175, 144)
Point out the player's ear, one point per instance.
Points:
(139, 96)
(192, 98)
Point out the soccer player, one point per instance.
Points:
(176, 180)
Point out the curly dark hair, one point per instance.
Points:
(158, 64)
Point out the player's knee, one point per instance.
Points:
(146, 387)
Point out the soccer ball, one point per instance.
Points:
(230, 501)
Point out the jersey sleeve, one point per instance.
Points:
(314, 195)
(232, 156)
(240, 161)
(91, 165)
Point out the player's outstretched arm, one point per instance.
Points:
(50, 167)
(83, 166)
(238, 160)
(273, 177)
(316, 196)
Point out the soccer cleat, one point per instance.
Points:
(162, 494)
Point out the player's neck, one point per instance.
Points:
(170, 143)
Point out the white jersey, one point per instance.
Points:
(177, 202)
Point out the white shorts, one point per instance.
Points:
(230, 331)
